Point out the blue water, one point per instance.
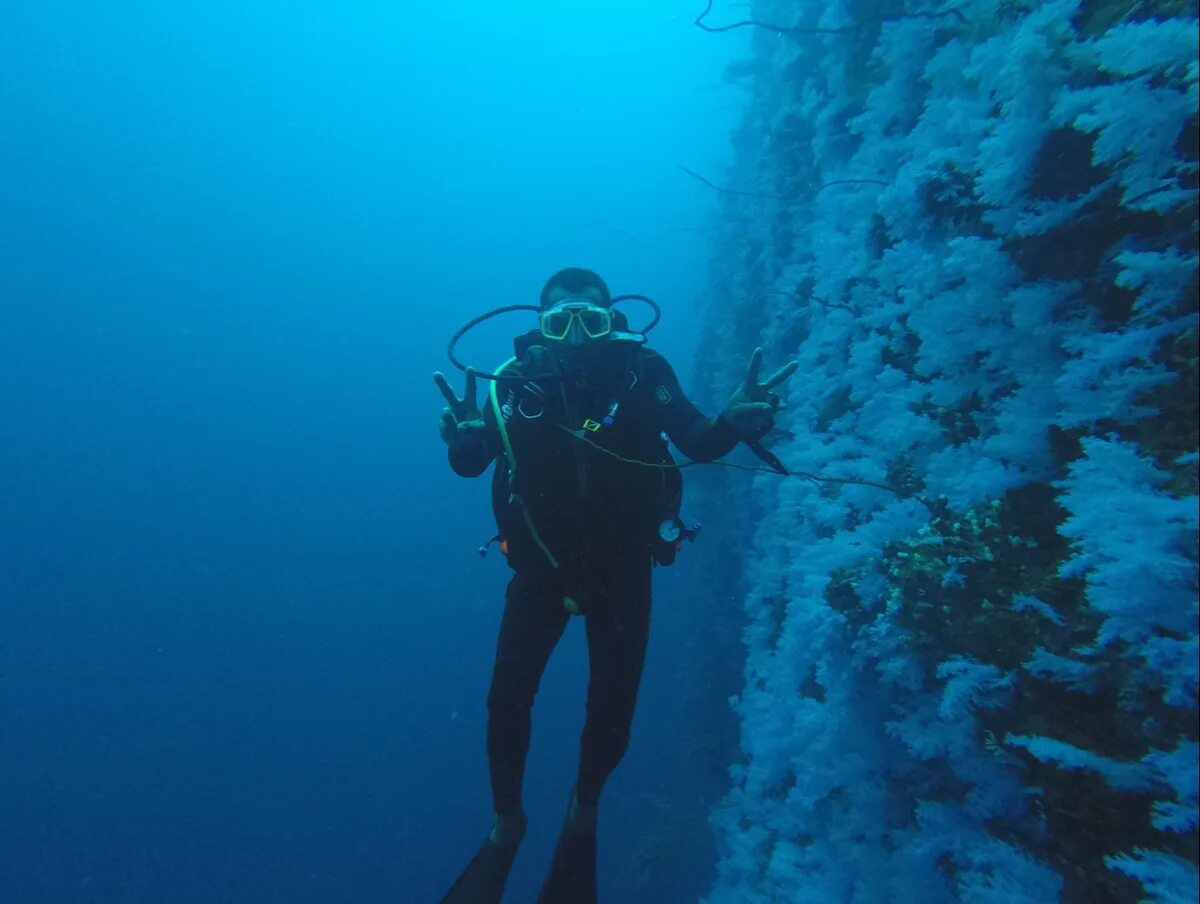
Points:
(245, 638)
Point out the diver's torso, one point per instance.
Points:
(587, 450)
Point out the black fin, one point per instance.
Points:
(572, 876)
(482, 882)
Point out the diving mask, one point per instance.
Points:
(576, 321)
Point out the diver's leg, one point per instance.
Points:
(617, 634)
(533, 622)
(618, 626)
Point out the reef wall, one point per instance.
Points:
(972, 675)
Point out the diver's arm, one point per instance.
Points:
(698, 437)
(705, 438)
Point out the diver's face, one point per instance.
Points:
(574, 320)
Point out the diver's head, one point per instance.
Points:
(575, 281)
(576, 309)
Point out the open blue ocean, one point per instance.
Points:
(246, 629)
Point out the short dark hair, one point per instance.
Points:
(576, 279)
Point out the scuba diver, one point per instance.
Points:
(586, 497)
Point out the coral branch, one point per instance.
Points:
(797, 30)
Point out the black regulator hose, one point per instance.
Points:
(647, 301)
(508, 309)
(474, 322)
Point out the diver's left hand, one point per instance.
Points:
(751, 411)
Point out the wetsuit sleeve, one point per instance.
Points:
(474, 448)
(698, 437)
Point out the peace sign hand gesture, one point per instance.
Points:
(751, 411)
(461, 413)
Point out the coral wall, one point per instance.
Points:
(972, 675)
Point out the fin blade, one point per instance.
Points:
(483, 881)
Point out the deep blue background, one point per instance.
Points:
(244, 635)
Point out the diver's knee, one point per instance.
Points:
(508, 696)
(612, 706)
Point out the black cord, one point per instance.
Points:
(814, 479)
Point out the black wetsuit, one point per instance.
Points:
(594, 522)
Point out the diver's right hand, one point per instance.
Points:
(461, 413)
